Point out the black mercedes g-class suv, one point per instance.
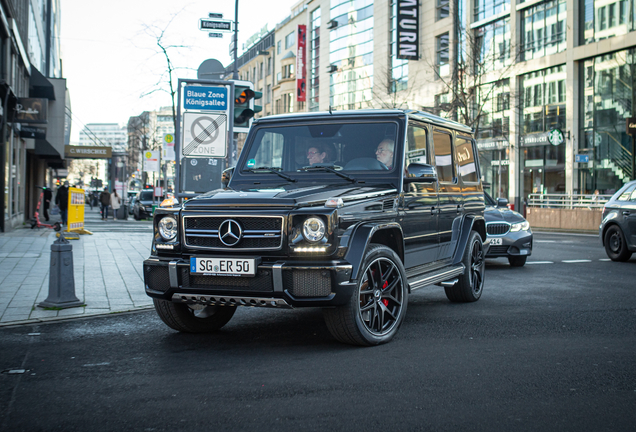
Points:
(347, 211)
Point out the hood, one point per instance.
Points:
(499, 214)
(287, 196)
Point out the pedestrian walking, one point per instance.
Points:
(61, 199)
(104, 201)
(115, 203)
(46, 202)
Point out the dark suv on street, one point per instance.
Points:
(347, 211)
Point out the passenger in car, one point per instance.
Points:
(384, 152)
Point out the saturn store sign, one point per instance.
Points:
(88, 152)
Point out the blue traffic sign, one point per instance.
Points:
(205, 98)
(581, 158)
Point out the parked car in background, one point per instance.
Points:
(618, 228)
(142, 205)
(509, 233)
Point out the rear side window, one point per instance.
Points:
(443, 156)
(466, 159)
(625, 195)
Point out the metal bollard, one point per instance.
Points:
(61, 279)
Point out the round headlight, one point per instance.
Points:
(313, 229)
(168, 228)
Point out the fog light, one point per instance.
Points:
(310, 249)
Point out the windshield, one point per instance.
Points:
(340, 146)
(145, 195)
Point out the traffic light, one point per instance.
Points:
(244, 107)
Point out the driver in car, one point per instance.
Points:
(384, 152)
(319, 154)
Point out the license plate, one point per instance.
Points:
(223, 266)
(496, 242)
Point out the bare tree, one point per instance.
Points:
(166, 82)
(478, 70)
(387, 95)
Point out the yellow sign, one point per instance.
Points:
(168, 138)
(75, 217)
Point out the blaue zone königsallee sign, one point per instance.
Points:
(205, 98)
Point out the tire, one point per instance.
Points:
(517, 260)
(471, 282)
(57, 226)
(615, 245)
(193, 318)
(377, 307)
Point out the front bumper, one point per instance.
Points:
(276, 284)
(512, 244)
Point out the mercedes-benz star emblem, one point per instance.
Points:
(230, 232)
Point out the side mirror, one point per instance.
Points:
(226, 176)
(420, 173)
(502, 202)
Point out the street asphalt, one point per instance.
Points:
(107, 270)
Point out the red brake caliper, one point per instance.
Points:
(385, 301)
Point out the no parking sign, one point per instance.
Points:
(204, 134)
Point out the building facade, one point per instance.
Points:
(35, 124)
(516, 71)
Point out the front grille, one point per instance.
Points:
(307, 283)
(497, 228)
(157, 277)
(258, 232)
(262, 282)
(498, 250)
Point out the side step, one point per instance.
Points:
(446, 277)
(448, 283)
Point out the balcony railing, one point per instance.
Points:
(564, 201)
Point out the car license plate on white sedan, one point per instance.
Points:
(496, 241)
(223, 266)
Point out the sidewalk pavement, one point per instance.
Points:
(107, 267)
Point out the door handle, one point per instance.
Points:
(626, 213)
(434, 210)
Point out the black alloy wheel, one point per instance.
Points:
(471, 283)
(377, 307)
(381, 297)
(615, 245)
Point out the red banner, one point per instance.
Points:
(301, 64)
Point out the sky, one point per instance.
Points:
(113, 65)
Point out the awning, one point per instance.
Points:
(39, 85)
(44, 149)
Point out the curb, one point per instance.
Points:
(50, 320)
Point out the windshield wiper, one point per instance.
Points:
(329, 169)
(275, 170)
